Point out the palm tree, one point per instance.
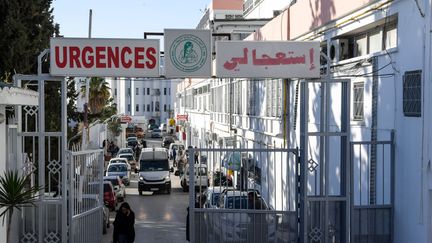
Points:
(99, 94)
(14, 194)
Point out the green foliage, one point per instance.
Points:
(25, 30)
(15, 193)
(99, 94)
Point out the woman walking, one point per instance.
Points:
(124, 231)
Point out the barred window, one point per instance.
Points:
(412, 93)
(358, 101)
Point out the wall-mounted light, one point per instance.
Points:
(2, 118)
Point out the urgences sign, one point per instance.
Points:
(104, 57)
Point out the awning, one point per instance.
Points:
(18, 96)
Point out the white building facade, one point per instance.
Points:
(152, 98)
(383, 49)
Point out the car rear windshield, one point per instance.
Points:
(117, 168)
(154, 165)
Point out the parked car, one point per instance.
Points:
(109, 196)
(131, 142)
(166, 141)
(156, 133)
(125, 151)
(201, 177)
(119, 169)
(243, 225)
(131, 160)
(119, 187)
(120, 160)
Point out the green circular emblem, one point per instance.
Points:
(188, 53)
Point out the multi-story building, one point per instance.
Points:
(382, 49)
(151, 98)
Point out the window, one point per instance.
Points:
(148, 91)
(144, 91)
(144, 107)
(165, 108)
(129, 91)
(375, 41)
(361, 45)
(136, 107)
(165, 91)
(169, 91)
(129, 107)
(358, 101)
(412, 93)
(157, 106)
(148, 107)
(390, 35)
(136, 91)
(115, 91)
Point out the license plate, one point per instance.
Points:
(154, 189)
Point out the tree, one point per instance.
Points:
(99, 94)
(14, 194)
(25, 30)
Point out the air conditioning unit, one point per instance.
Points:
(338, 50)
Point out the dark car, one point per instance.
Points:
(166, 141)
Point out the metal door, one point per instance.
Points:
(324, 167)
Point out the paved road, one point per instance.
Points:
(160, 217)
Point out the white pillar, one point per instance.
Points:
(3, 138)
(3, 153)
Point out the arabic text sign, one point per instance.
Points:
(267, 59)
(187, 53)
(104, 57)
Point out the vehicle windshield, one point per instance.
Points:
(201, 171)
(117, 168)
(154, 165)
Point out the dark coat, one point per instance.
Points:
(124, 225)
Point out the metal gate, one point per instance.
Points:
(257, 200)
(372, 220)
(85, 196)
(41, 145)
(325, 167)
(41, 153)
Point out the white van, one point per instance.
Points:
(201, 177)
(154, 171)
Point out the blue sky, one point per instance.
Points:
(125, 18)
